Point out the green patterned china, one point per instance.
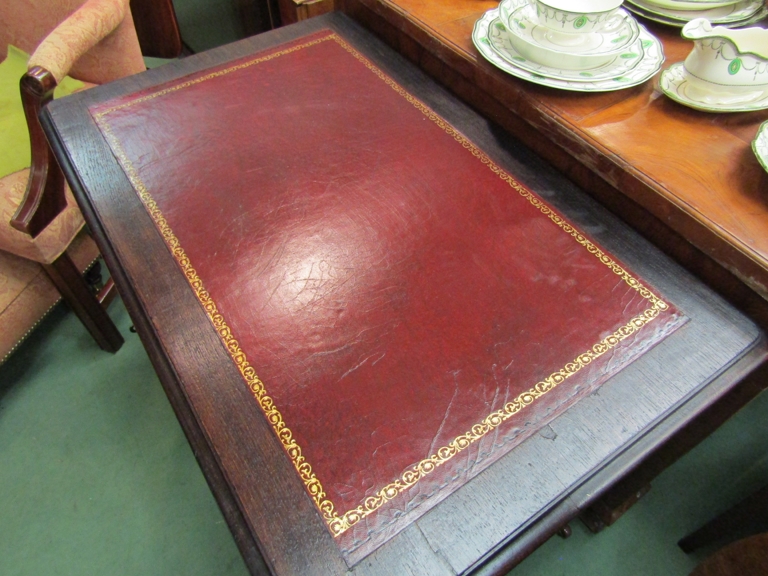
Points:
(760, 145)
(734, 14)
(487, 36)
(619, 64)
(583, 6)
(691, 4)
(685, 89)
(756, 17)
(507, 7)
(727, 70)
(577, 16)
(541, 44)
(736, 59)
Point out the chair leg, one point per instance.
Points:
(747, 518)
(75, 290)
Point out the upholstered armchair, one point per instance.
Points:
(44, 248)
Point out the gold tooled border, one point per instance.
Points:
(338, 524)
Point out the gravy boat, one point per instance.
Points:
(736, 60)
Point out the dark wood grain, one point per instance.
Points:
(747, 518)
(157, 28)
(292, 11)
(44, 197)
(256, 16)
(89, 308)
(494, 520)
(634, 484)
(747, 556)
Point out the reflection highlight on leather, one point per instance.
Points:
(317, 266)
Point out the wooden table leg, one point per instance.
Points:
(747, 518)
(75, 290)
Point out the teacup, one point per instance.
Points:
(579, 16)
(735, 59)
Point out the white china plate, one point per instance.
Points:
(678, 85)
(723, 15)
(759, 15)
(653, 56)
(524, 24)
(506, 7)
(692, 4)
(619, 65)
(760, 145)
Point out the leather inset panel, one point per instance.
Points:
(404, 311)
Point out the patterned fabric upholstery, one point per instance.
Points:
(94, 41)
(52, 241)
(27, 294)
(73, 31)
(24, 23)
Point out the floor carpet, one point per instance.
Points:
(96, 477)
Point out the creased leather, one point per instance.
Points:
(391, 286)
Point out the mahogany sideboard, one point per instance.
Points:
(154, 232)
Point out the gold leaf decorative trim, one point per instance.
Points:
(205, 78)
(338, 524)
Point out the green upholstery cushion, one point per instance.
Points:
(14, 143)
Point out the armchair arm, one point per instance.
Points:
(76, 35)
(45, 196)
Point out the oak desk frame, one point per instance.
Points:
(492, 522)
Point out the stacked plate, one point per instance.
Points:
(512, 38)
(760, 145)
(730, 13)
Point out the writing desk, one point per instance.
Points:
(158, 235)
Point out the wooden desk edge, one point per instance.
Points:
(678, 430)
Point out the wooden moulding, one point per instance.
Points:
(44, 198)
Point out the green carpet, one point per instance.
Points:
(96, 477)
(717, 474)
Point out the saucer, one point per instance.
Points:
(618, 65)
(653, 56)
(756, 17)
(524, 24)
(506, 7)
(760, 145)
(722, 15)
(692, 4)
(681, 87)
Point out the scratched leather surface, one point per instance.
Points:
(390, 289)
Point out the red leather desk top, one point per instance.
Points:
(402, 309)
